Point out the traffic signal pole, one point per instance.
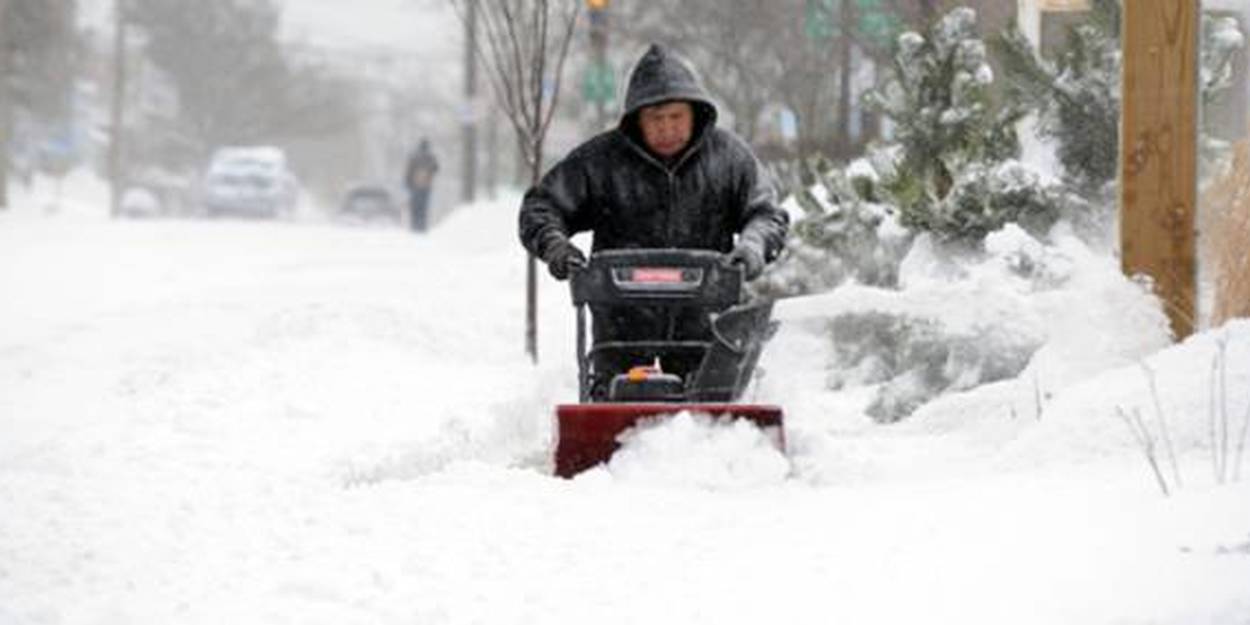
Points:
(599, 47)
(6, 111)
(599, 84)
(468, 175)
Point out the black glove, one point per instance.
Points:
(561, 257)
(750, 258)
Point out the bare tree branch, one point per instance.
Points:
(567, 39)
(518, 54)
(519, 48)
(517, 57)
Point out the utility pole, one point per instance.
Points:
(117, 121)
(468, 174)
(6, 104)
(842, 140)
(492, 153)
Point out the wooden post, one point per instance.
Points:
(1158, 146)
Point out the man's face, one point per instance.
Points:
(666, 128)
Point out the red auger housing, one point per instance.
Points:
(624, 382)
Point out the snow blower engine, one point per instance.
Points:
(622, 382)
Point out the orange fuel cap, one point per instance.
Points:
(638, 374)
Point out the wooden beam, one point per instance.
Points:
(1158, 152)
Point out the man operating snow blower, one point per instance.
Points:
(665, 177)
(666, 180)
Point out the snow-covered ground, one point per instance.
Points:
(254, 422)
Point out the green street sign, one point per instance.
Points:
(877, 22)
(599, 83)
(819, 19)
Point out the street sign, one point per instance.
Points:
(819, 21)
(876, 22)
(599, 83)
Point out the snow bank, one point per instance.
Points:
(210, 422)
(1102, 339)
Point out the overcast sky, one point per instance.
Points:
(420, 26)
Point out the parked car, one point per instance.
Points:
(370, 202)
(250, 182)
(153, 191)
(140, 202)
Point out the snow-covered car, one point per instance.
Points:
(154, 191)
(370, 202)
(140, 202)
(249, 181)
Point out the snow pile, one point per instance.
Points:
(1192, 399)
(1024, 356)
(79, 194)
(257, 422)
(1097, 321)
(1045, 313)
(698, 451)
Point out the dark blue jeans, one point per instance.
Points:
(418, 203)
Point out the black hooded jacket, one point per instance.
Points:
(612, 185)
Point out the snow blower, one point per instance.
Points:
(624, 382)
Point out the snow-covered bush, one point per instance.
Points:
(844, 234)
(987, 196)
(1222, 39)
(961, 320)
(1076, 96)
(951, 172)
(954, 175)
(943, 245)
(957, 324)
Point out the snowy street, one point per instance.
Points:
(255, 422)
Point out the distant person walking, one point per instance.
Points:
(418, 177)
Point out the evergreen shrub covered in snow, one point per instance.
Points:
(943, 249)
(958, 324)
(951, 171)
(916, 220)
(845, 234)
(916, 358)
(957, 318)
(1076, 95)
(955, 175)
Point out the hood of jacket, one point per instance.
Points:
(660, 76)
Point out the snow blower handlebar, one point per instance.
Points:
(675, 278)
(681, 278)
